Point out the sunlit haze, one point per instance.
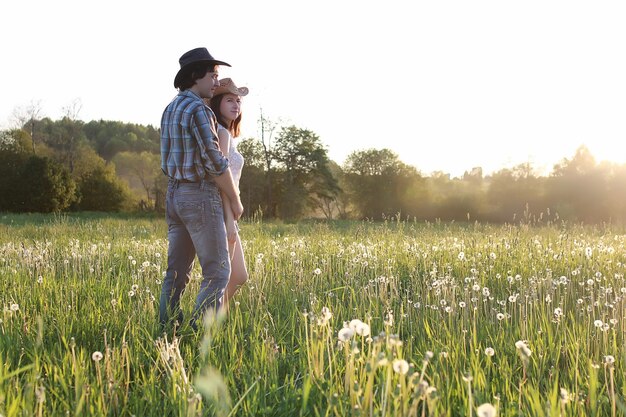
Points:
(447, 85)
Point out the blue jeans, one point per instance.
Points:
(195, 220)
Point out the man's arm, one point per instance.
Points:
(226, 184)
(215, 163)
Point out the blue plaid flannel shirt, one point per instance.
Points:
(189, 144)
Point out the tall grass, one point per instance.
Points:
(337, 319)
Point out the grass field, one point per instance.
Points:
(337, 319)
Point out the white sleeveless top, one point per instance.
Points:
(233, 155)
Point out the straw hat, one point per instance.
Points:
(228, 86)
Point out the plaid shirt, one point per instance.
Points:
(189, 145)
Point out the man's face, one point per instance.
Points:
(205, 86)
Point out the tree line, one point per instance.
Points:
(69, 165)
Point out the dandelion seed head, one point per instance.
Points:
(96, 356)
(400, 366)
(489, 351)
(486, 410)
(345, 334)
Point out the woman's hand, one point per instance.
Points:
(231, 231)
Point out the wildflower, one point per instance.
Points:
(558, 312)
(598, 323)
(345, 334)
(461, 256)
(500, 316)
(40, 394)
(15, 307)
(486, 410)
(360, 328)
(40, 280)
(96, 356)
(490, 352)
(326, 314)
(131, 293)
(135, 287)
(382, 359)
(462, 304)
(564, 396)
(609, 359)
(389, 320)
(317, 271)
(400, 366)
(523, 349)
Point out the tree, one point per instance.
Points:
(303, 164)
(27, 118)
(45, 186)
(253, 185)
(140, 170)
(377, 182)
(101, 190)
(267, 131)
(515, 193)
(578, 188)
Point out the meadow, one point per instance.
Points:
(337, 319)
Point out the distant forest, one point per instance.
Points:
(69, 165)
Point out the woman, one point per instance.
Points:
(226, 104)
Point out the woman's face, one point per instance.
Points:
(230, 107)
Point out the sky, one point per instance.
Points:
(446, 85)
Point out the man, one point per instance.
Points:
(198, 170)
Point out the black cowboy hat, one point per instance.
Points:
(190, 57)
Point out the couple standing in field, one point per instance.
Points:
(200, 158)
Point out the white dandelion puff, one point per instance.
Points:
(400, 366)
(523, 349)
(345, 334)
(486, 410)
